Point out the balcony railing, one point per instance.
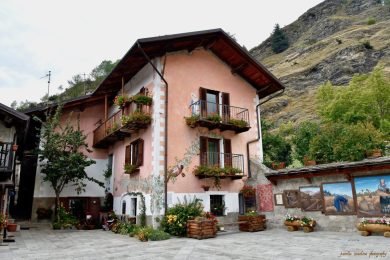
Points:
(221, 164)
(213, 115)
(128, 120)
(6, 156)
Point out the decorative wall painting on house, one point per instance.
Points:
(265, 196)
(291, 198)
(338, 198)
(310, 198)
(373, 195)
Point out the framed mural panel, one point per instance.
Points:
(372, 195)
(278, 198)
(338, 198)
(291, 198)
(311, 198)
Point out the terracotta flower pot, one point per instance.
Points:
(12, 227)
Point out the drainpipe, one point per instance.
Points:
(258, 125)
(166, 128)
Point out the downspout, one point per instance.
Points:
(258, 127)
(166, 127)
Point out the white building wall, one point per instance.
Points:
(44, 190)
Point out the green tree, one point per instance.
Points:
(304, 133)
(276, 148)
(62, 156)
(102, 70)
(279, 40)
(366, 100)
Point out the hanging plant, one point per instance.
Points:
(121, 100)
(248, 191)
(130, 168)
(142, 99)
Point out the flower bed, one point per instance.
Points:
(369, 226)
(293, 223)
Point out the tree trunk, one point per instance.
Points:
(57, 204)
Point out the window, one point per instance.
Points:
(210, 154)
(217, 205)
(124, 208)
(214, 102)
(133, 210)
(135, 153)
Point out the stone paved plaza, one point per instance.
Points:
(43, 243)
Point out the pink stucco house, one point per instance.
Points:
(191, 112)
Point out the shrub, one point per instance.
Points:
(339, 41)
(157, 235)
(66, 219)
(371, 21)
(175, 220)
(276, 149)
(367, 45)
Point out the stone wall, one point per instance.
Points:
(276, 218)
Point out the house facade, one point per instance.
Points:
(13, 126)
(176, 118)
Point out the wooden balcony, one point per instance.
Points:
(223, 165)
(218, 116)
(126, 121)
(6, 157)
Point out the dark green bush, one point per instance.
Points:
(157, 235)
(371, 21)
(367, 45)
(304, 133)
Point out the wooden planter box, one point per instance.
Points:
(201, 229)
(368, 229)
(295, 225)
(251, 223)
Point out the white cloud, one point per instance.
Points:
(71, 37)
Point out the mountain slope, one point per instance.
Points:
(327, 43)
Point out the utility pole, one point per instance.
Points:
(48, 85)
(84, 84)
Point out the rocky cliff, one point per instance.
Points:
(330, 42)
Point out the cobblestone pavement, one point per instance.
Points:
(39, 243)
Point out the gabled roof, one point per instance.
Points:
(216, 40)
(5, 110)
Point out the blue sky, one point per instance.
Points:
(343, 188)
(71, 37)
(370, 183)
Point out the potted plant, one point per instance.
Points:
(3, 221)
(202, 227)
(251, 222)
(293, 223)
(248, 191)
(121, 100)
(278, 166)
(374, 153)
(307, 161)
(130, 168)
(369, 226)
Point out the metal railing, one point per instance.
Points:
(222, 160)
(225, 114)
(114, 122)
(6, 155)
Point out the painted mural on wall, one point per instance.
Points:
(338, 198)
(311, 198)
(373, 195)
(291, 199)
(265, 195)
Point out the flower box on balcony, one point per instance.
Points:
(201, 228)
(136, 120)
(130, 169)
